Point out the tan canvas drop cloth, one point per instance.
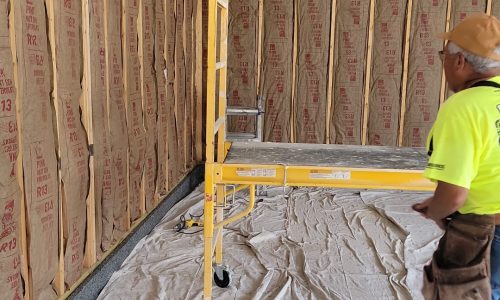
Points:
(313, 244)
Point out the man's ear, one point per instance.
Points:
(460, 62)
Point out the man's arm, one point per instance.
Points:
(447, 199)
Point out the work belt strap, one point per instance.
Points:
(486, 83)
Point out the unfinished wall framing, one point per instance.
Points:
(494, 8)
(100, 203)
(172, 143)
(101, 106)
(37, 145)
(10, 194)
(350, 57)
(149, 102)
(276, 80)
(161, 91)
(243, 42)
(313, 36)
(134, 106)
(98, 101)
(345, 72)
(72, 147)
(189, 60)
(387, 72)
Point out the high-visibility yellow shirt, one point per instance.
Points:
(464, 147)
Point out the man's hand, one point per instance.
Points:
(447, 199)
(422, 209)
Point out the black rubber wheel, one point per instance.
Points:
(225, 281)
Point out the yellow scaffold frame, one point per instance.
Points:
(218, 175)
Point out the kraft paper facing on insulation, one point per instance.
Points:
(351, 36)
(242, 61)
(10, 194)
(424, 71)
(276, 80)
(387, 72)
(310, 103)
(117, 122)
(41, 183)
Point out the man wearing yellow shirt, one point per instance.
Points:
(464, 149)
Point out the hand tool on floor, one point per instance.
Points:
(186, 224)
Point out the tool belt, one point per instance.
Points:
(497, 219)
(460, 266)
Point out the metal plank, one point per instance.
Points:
(373, 157)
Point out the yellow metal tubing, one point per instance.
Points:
(210, 184)
(242, 214)
(208, 230)
(237, 189)
(227, 146)
(335, 177)
(221, 153)
(219, 210)
(250, 174)
(216, 235)
(359, 178)
(211, 48)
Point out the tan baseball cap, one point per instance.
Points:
(478, 34)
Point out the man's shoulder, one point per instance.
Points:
(459, 110)
(481, 92)
(457, 103)
(472, 99)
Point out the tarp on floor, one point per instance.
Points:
(313, 244)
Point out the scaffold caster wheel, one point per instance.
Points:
(222, 276)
